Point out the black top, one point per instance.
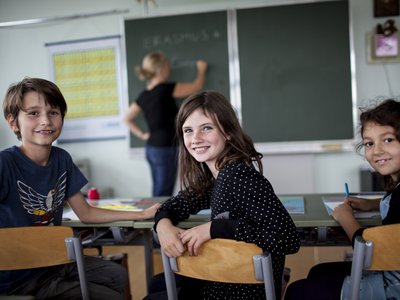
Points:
(160, 110)
(244, 207)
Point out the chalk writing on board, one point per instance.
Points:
(174, 39)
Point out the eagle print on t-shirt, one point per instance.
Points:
(43, 206)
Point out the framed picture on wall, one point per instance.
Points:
(88, 73)
(386, 8)
(383, 49)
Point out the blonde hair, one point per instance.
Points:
(151, 63)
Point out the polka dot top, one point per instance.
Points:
(244, 207)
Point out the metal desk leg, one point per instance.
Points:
(322, 233)
(148, 254)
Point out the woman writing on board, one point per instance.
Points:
(157, 103)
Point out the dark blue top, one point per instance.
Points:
(34, 195)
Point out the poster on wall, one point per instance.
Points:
(88, 73)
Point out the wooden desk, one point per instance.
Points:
(315, 226)
(315, 217)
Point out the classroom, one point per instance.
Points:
(120, 171)
(23, 53)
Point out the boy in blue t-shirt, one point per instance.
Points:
(36, 179)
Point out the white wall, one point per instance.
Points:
(22, 53)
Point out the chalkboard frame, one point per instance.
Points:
(286, 147)
(345, 112)
(204, 32)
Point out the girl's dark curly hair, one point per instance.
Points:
(387, 113)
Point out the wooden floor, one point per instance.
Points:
(135, 265)
(299, 263)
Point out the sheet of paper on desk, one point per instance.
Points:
(293, 204)
(332, 201)
(127, 204)
(116, 204)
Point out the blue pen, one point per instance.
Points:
(346, 189)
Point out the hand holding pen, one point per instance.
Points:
(360, 203)
(347, 192)
(353, 202)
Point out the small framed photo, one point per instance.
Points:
(386, 8)
(383, 49)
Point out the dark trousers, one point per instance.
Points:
(324, 281)
(188, 288)
(106, 281)
(164, 165)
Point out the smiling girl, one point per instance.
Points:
(380, 139)
(218, 169)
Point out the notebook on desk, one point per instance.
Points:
(293, 204)
(117, 204)
(126, 204)
(331, 202)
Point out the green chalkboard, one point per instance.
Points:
(184, 39)
(295, 72)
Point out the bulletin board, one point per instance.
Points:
(88, 73)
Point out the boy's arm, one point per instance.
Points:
(90, 214)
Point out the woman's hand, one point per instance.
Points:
(145, 136)
(194, 237)
(168, 236)
(201, 66)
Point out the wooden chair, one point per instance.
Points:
(41, 246)
(377, 250)
(222, 260)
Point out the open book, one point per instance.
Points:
(332, 201)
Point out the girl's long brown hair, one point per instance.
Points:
(194, 176)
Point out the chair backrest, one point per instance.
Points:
(41, 246)
(377, 250)
(386, 247)
(222, 260)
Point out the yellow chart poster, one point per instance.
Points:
(89, 75)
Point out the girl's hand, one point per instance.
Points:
(149, 213)
(343, 213)
(362, 204)
(194, 237)
(168, 235)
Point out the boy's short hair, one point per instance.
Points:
(13, 100)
